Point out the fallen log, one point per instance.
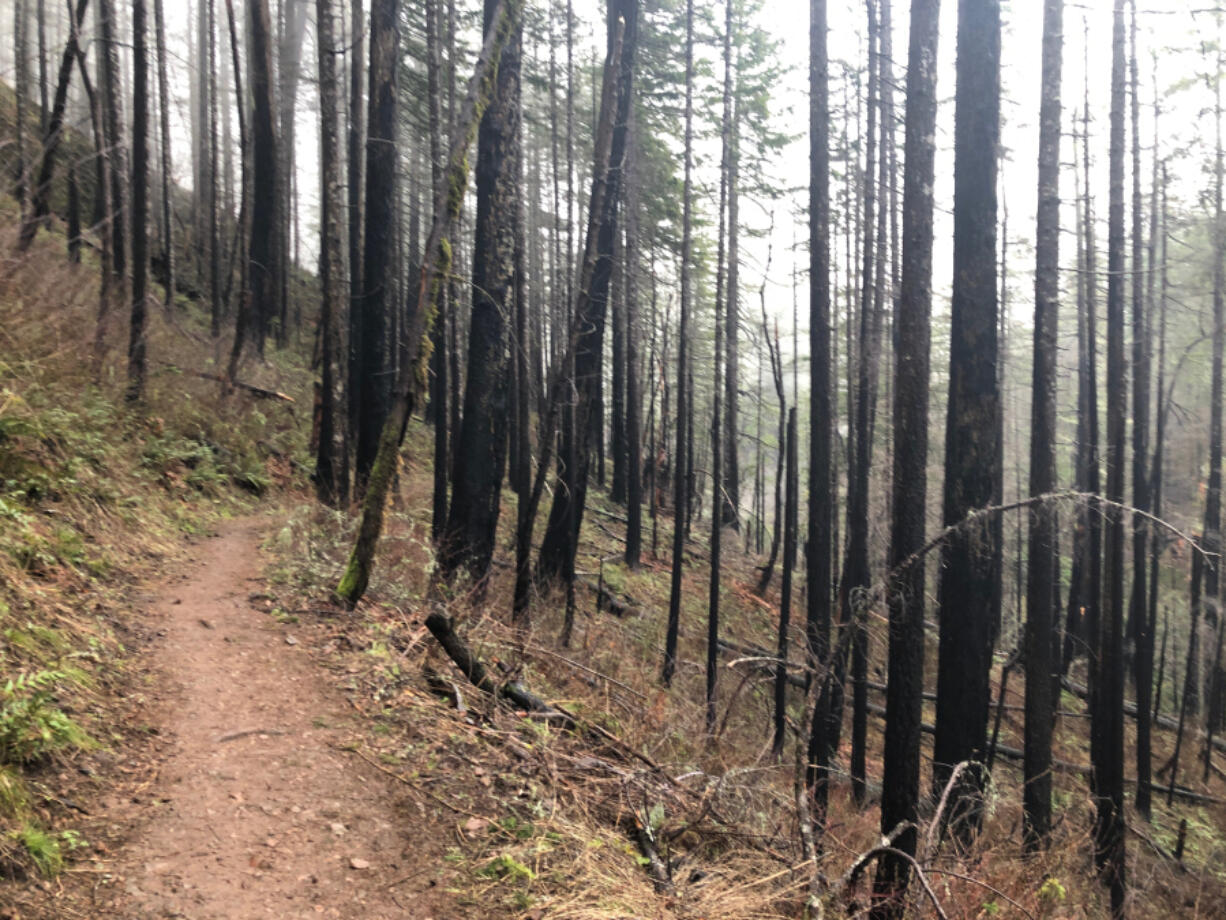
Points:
(1130, 709)
(1064, 766)
(472, 668)
(258, 392)
(607, 600)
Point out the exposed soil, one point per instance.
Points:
(260, 810)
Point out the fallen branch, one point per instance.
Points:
(472, 668)
(607, 600)
(247, 733)
(258, 392)
(1064, 766)
(656, 867)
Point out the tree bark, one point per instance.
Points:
(1108, 720)
(1041, 576)
(41, 202)
(168, 233)
(112, 122)
(438, 332)
(971, 458)
(561, 535)
(909, 497)
(436, 266)
(331, 474)
(785, 597)
(377, 302)
(819, 546)
(355, 149)
(1141, 627)
(468, 540)
(680, 485)
(634, 399)
(259, 303)
(140, 203)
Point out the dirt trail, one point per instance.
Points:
(261, 814)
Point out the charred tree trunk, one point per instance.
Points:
(355, 149)
(41, 201)
(140, 203)
(331, 473)
(112, 123)
(634, 398)
(378, 250)
(785, 598)
(561, 535)
(438, 332)
(967, 570)
(436, 266)
(1042, 575)
(680, 485)
(1108, 717)
(482, 440)
(259, 302)
(729, 503)
(1141, 627)
(904, 689)
(168, 233)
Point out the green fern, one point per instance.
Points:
(31, 725)
(43, 849)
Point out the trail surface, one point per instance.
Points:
(260, 812)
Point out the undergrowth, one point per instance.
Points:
(96, 494)
(532, 820)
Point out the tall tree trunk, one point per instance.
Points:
(40, 23)
(561, 537)
(355, 149)
(717, 441)
(1041, 576)
(680, 486)
(634, 399)
(482, 440)
(730, 484)
(1212, 537)
(904, 689)
(331, 474)
(1108, 717)
(112, 121)
(168, 233)
(21, 94)
(617, 433)
(41, 203)
(789, 447)
(289, 61)
(436, 266)
(140, 203)
(378, 250)
(1157, 539)
(1142, 630)
(855, 574)
(561, 387)
(821, 484)
(438, 332)
(259, 304)
(971, 458)
(220, 302)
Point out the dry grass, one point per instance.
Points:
(723, 812)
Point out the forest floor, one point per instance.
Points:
(251, 802)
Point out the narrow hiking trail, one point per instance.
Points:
(258, 812)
